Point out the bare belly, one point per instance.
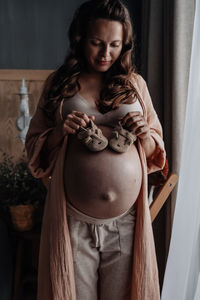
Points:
(101, 184)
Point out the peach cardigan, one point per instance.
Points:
(56, 274)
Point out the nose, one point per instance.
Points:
(105, 51)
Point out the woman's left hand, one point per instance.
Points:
(135, 122)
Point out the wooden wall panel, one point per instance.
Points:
(10, 82)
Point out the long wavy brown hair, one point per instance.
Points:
(64, 82)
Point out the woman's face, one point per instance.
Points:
(103, 44)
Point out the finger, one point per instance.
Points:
(72, 124)
(140, 130)
(91, 118)
(75, 119)
(81, 115)
(136, 125)
(138, 120)
(130, 115)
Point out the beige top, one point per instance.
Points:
(56, 274)
(109, 118)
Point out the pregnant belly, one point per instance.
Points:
(102, 184)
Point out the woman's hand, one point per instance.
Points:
(135, 122)
(73, 122)
(70, 125)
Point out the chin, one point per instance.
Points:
(104, 68)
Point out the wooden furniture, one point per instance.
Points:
(10, 82)
(162, 195)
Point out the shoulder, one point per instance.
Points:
(142, 91)
(46, 87)
(48, 83)
(138, 81)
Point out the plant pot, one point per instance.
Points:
(22, 216)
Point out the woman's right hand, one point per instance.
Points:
(73, 122)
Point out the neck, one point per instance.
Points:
(92, 79)
(95, 76)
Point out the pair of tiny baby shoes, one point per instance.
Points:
(93, 138)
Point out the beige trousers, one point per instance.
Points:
(102, 254)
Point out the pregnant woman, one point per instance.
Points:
(95, 132)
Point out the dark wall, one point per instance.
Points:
(33, 34)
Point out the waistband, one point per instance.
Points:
(77, 214)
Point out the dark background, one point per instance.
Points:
(33, 34)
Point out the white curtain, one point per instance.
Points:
(182, 275)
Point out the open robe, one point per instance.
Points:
(56, 274)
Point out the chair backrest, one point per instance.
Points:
(162, 195)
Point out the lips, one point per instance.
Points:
(104, 62)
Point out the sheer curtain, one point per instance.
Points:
(167, 28)
(182, 275)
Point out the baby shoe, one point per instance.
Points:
(121, 139)
(92, 137)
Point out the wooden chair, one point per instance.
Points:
(162, 195)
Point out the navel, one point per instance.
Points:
(109, 196)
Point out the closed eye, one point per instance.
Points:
(96, 43)
(116, 45)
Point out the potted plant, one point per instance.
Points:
(20, 193)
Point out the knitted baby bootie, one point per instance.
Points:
(121, 139)
(92, 137)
